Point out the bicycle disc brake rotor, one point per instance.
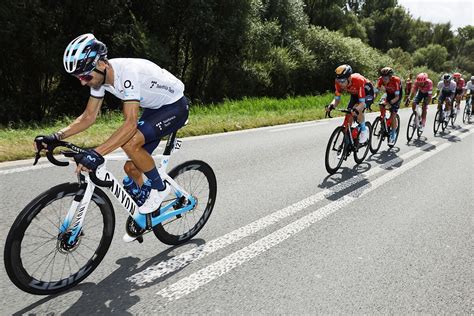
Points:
(63, 245)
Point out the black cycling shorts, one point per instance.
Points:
(157, 123)
(446, 95)
(458, 92)
(369, 97)
(420, 96)
(394, 107)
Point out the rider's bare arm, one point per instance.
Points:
(85, 120)
(335, 102)
(125, 132)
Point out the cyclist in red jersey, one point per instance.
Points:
(393, 89)
(459, 90)
(423, 91)
(408, 85)
(362, 95)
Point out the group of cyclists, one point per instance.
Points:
(451, 89)
(141, 83)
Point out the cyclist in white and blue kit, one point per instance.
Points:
(138, 83)
(446, 91)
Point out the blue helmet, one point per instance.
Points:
(82, 54)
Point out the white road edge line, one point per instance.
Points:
(191, 283)
(296, 127)
(180, 261)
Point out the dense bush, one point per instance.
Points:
(219, 49)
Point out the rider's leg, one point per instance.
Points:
(133, 172)
(424, 112)
(154, 124)
(142, 160)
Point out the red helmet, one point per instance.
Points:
(422, 77)
(456, 75)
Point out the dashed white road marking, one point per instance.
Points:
(180, 261)
(191, 283)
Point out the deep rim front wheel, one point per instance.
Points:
(39, 259)
(335, 150)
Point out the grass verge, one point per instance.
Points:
(210, 119)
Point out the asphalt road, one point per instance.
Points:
(392, 235)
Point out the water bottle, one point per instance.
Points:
(131, 187)
(355, 132)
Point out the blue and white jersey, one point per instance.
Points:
(144, 81)
(447, 89)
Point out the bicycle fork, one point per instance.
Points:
(79, 207)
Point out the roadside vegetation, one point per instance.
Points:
(16, 143)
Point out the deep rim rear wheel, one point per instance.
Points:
(199, 180)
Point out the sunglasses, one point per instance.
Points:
(386, 78)
(341, 80)
(86, 77)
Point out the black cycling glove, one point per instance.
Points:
(90, 159)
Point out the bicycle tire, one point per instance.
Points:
(377, 135)
(14, 262)
(411, 126)
(437, 122)
(398, 132)
(336, 136)
(365, 148)
(444, 124)
(453, 118)
(163, 231)
(465, 114)
(419, 131)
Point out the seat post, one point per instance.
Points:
(170, 144)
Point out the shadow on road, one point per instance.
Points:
(114, 294)
(451, 138)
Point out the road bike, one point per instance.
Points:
(382, 127)
(344, 140)
(467, 113)
(441, 119)
(414, 124)
(53, 245)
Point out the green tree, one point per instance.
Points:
(434, 56)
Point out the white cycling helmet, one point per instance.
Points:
(82, 54)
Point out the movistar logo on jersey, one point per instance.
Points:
(91, 158)
(141, 123)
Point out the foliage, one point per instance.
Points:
(434, 56)
(219, 49)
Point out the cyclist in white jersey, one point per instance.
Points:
(446, 91)
(138, 83)
(469, 89)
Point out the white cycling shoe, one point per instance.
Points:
(154, 200)
(391, 140)
(363, 136)
(128, 238)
